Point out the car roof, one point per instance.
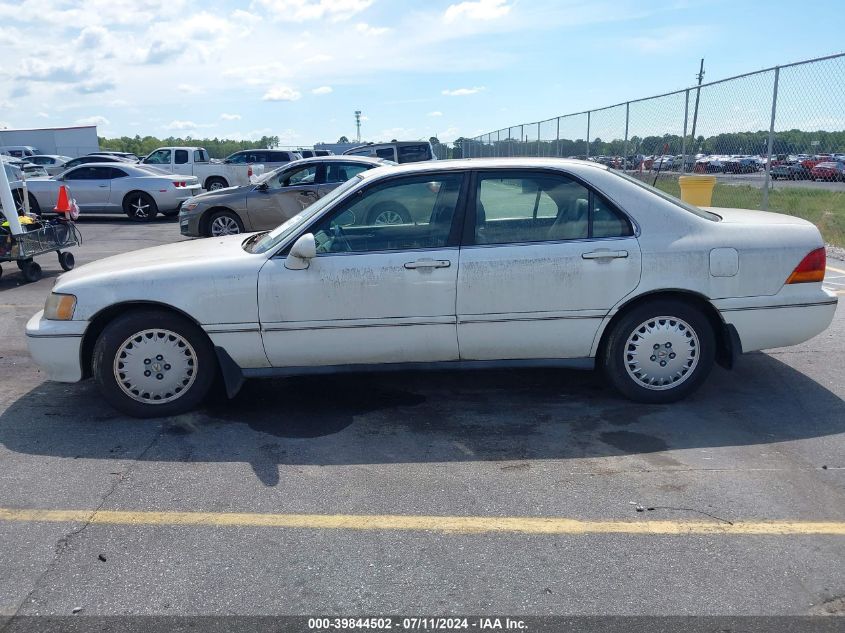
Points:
(334, 158)
(482, 163)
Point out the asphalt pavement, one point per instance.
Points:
(496, 492)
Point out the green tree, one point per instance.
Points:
(343, 139)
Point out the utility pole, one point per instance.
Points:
(697, 95)
(358, 125)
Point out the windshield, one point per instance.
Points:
(275, 237)
(707, 215)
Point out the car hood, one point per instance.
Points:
(224, 193)
(195, 258)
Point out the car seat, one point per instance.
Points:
(572, 221)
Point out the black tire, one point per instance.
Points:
(222, 223)
(387, 213)
(31, 271)
(692, 335)
(161, 334)
(140, 207)
(34, 207)
(67, 261)
(215, 182)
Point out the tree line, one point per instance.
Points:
(785, 142)
(217, 148)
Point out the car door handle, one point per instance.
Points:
(428, 263)
(102, 186)
(604, 255)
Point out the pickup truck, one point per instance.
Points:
(195, 161)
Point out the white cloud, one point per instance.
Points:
(448, 135)
(42, 115)
(39, 69)
(463, 92)
(435, 113)
(97, 119)
(245, 16)
(478, 10)
(399, 133)
(322, 90)
(370, 31)
(318, 59)
(185, 125)
(230, 117)
(281, 93)
(118, 103)
(304, 10)
(6, 105)
(91, 37)
(189, 89)
(94, 86)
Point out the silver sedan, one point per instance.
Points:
(274, 198)
(115, 188)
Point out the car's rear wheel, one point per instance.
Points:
(213, 184)
(140, 207)
(224, 223)
(659, 352)
(152, 363)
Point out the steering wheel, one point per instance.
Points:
(339, 239)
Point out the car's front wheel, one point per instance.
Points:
(224, 223)
(659, 352)
(152, 363)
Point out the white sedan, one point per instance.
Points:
(490, 262)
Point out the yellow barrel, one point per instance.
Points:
(697, 190)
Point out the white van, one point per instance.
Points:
(398, 151)
(19, 151)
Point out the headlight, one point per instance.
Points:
(190, 204)
(59, 307)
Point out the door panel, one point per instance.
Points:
(549, 258)
(359, 308)
(90, 187)
(374, 293)
(539, 300)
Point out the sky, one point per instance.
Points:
(299, 69)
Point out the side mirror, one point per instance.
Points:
(301, 253)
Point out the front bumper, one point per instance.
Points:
(55, 346)
(189, 222)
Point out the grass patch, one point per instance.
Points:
(825, 209)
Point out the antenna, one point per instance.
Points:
(358, 125)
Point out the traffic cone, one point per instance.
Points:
(63, 204)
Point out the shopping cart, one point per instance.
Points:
(42, 237)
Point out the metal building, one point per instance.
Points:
(66, 141)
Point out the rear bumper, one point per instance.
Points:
(788, 318)
(172, 200)
(55, 347)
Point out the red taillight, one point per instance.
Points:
(810, 269)
(182, 183)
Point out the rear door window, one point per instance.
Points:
(180, 157)
(413, 153)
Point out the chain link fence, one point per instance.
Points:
(774, 140)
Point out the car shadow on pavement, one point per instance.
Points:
(430, 417)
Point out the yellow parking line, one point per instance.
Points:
(836, 270)
(446, 524)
